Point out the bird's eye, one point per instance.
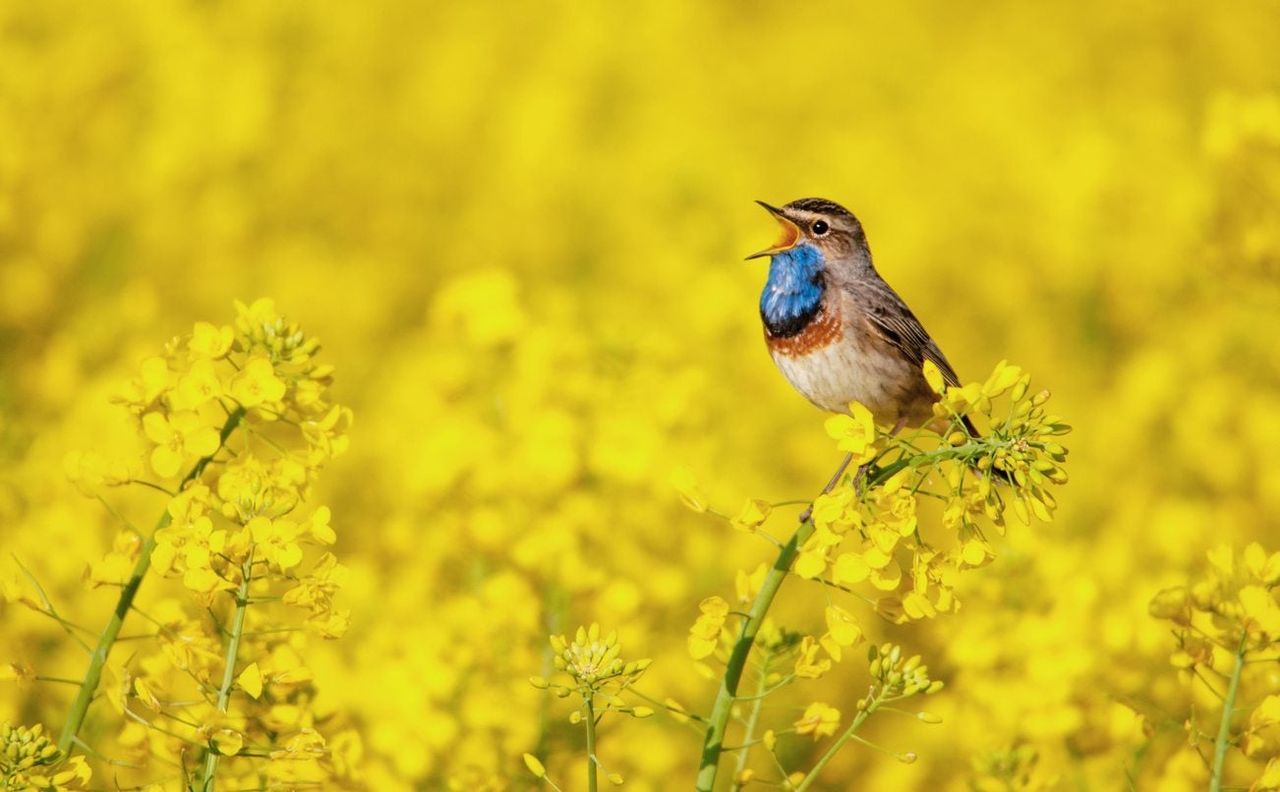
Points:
(819, 227)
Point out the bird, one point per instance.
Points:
(837, 331)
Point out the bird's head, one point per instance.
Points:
(816, 229)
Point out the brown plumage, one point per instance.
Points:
(836, 329)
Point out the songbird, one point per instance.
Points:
(836, 330)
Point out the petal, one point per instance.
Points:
(202, 442)
(250, 681)
(156, 428)
(165, 461)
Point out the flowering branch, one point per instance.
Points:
(98, 660)
(867, 530)
(596, 672)
(858, 720)
(713, 744)
(893, 679)
(1231, 607)
(227, 531)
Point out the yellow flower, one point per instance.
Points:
(1002, 378)
(115, 568)
(593, 659)
(808, 666)
(854, 433)
(332, 624)
(256, 384)
(1260, 610)
(1270, 778)
(210, 341)
(704, 635)
(112, 570)
(841, 626)
(811, 562)
(276, 542)
(819, 720)
(751, 516)
(917, 606)
(316, 590)
(227, 742)
(154, 378)
(250, 681)
(850, 568)
(30, 761)
(198, 386)
(178, 438)
(319, 528)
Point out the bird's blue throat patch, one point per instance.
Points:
(793, 293)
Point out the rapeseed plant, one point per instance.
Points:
(214, 685)
(1224, 622)
(598, 676)
(868, 532)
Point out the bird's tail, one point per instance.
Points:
(998, 474)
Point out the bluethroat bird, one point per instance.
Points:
(837, 331)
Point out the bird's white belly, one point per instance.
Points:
(831, 376)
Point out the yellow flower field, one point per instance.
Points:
(383, 403)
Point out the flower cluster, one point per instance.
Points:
(867, 533)
(594, 661)
(29, 761)
(240, 417)
(893, 679)
(1223, 621)
(897, 677)
(598, 676)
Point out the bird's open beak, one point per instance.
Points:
(790, 233)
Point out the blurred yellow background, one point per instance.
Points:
(518, 232)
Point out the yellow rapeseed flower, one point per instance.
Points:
(819, 719)
(179, 438)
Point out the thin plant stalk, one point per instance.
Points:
(754, 717)
(229, 671)
(588, 705)
(1223, 740)
(718, 723)
(107, 639)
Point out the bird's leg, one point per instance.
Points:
(899, 426)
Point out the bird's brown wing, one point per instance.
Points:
(890, 318)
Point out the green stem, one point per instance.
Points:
(861, 718)
(591, 742)
(753, 718)
(229, 669)
(718, 722)
(107, 639)
(1224, 727)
